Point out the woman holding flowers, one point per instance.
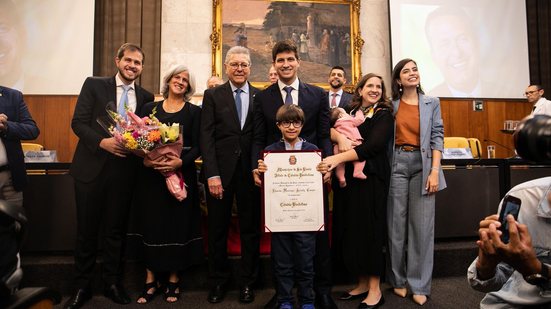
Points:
(169, 228)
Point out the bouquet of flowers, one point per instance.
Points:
(150, 139)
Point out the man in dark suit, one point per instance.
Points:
(104, 175)
(313, 101)
(16, 124)
(337, 96)
(226, 136)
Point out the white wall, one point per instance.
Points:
(187, 25)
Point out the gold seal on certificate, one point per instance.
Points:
(293, 192)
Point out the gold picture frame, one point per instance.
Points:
(325, 21)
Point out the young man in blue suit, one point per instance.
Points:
(104, 175)
(16, 124)
(313, 101)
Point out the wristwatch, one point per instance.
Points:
(540, 279)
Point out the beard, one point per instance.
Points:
(336, 84)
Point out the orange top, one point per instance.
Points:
(407, 125)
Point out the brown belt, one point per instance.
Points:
(408, 148)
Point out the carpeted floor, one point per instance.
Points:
(447, 293)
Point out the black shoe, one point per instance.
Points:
(78, 299)
(272, 304)
(348, 296)
(117, 294)
(377, 305)
(216, 294)
(246, 294)
(325, 301)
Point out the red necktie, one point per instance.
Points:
(334, 100)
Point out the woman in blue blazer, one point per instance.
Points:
(416, 176)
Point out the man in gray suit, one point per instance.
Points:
(337, 96)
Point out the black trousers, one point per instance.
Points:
(219, 217)
(102, 209)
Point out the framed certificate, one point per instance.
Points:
(293, 192)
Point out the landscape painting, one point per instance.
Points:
(323, 32)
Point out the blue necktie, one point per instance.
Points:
(288, 97)
(238, 103)
(123, 101)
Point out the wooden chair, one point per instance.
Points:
(456, 142)
(31, 147)
(476, 147)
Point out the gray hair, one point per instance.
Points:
(238, 50)
(177, 70)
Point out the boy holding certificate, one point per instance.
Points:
(292, 252)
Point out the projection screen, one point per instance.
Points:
(464, 49)
(46, 47)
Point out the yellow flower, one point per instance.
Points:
(130, 141)
(170, 133)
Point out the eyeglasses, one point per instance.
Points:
(527, 93)
(286, 124)
(235, 65)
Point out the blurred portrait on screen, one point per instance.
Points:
(455, 48)
(12, 40)
(466, 49)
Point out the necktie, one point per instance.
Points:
(334, 100)
(288, 97)
(238, 102)
(123, 101)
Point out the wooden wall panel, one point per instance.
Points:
(53, 115)
(460, 120)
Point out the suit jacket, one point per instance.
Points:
(223, 142)
(280, 145)
(96, 93)
(21, 126)
(432, 135)
(345, 99)
(315, 104)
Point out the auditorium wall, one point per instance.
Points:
(185, 39)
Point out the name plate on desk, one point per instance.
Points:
(40, 156)
(293, 192)
(457, 153)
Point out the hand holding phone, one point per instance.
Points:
(510, 205)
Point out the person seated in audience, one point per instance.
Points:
(534, 96)
(516, 274)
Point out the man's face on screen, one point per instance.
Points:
(455, 50)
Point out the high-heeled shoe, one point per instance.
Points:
(348, 296)
(377, 305)
(146, 295)
(172, 290)
(420, 299)
(402, 292)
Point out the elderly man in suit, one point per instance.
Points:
(337, 96)
(104, 175)
(226, 137)
(16, 124)
(313, 101)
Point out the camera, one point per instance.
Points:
(533, 138)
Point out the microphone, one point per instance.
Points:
(499, 144)
(515, 156)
